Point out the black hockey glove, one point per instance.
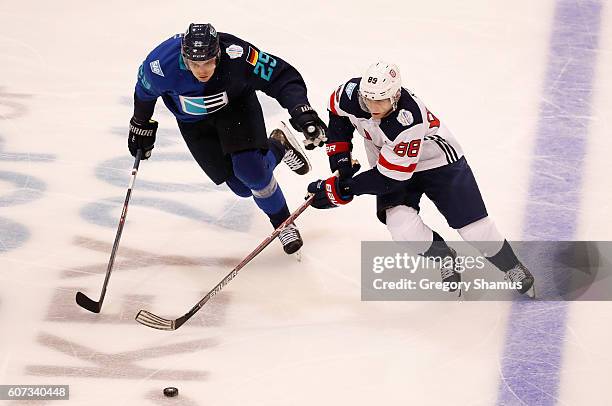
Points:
(142, 136)
(305, 119)
(329, 193)
(339, 154)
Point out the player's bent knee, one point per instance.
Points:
(481, 230)
(239, 188)
(405, 224)
(249, 167)
(484, 235)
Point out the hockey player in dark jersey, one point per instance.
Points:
(208, 79)
(411, 153)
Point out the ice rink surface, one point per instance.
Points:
(526, 87)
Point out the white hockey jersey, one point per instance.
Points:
(410, 139)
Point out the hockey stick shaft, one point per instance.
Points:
(151, 320)
(83, 300)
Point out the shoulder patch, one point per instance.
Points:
(156, 68)
(407, 115)
(253, 56)
(350, 87)
(234, 51)
(350, 105)
(405, 118)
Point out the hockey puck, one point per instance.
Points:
(170, 392)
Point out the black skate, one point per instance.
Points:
(447, 271)
(291, 239)
(521, 274)
(294, 157)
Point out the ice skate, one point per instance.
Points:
(521, 274)
(291, 239)
(294, 156)
(448, 273)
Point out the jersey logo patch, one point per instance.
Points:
(202, 105)
(405, 118)
(234, 51)
(349, 89)
(253, 56)
(156, 68)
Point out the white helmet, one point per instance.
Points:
(381, 81)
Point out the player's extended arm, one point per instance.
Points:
(333, 191)
(142, 129)
(278, 79)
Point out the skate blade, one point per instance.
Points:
(295, 144)
(531, 292)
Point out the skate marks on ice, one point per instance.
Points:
(12, 235)
(63, 307)
(132, 258)
(235, 216)
(119, 365)
(26, 188)
(11, 106)
(536, 331)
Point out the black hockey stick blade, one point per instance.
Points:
(88, 304)
(151, 320)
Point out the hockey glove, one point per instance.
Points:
(142, 136)
(339, 154)
(305, 119)
(329, 193)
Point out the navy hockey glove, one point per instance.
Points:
(142, 136)
(329, 193)
(339, 154)
(305, 119)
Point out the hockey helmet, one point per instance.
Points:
(381, 81)
(200, 42)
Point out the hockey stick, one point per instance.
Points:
(151, 320)
(82, 299)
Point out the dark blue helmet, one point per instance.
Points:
(200, 42)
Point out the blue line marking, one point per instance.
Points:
(532, 357)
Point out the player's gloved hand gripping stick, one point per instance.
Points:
(84, 301)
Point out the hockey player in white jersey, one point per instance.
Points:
(411, 153)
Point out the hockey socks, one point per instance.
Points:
(276, 151)
(505, 259)
(446, 256)
(277, 218)
(438, 247)
(516, 272)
